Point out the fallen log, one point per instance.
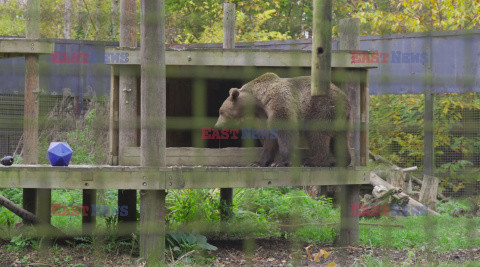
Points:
(26, 215)
(22, 213)
(375, 180)
(414, 179)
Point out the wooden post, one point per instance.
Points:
(36, 201)
(349, 194)
(321, 47)
(229, 25)
(226, 194)
(428, 192)
(153, 132)
(127, 108)
(89, 198)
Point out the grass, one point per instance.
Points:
(441, 233)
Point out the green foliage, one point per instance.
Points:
(184, 242)
(86, 136)
(11, 22)
(192, 21)
(270, 209)
(451, 206)
(396, 132)
(83, 141)
(19, 243)
(276, 205)
(399, 16)
(7, 217)
(192, 205)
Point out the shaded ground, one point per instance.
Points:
(273, 252)
(281, 253)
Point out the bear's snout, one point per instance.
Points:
(219, 124)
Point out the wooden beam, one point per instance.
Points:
(21, 46)
(239, 57)
(153, 138)
(128, 119)
(160, 178)
(226, 194)
(32, 197)
(349, 30)
(79, 177)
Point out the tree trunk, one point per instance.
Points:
(67, 28)
(428, 192)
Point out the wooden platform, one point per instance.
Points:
(121, 177)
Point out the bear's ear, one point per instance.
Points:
(234, 92)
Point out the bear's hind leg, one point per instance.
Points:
(319, 150)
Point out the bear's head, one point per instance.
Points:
(235, 109)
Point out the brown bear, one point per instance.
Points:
(272, 100)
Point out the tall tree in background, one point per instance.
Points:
(67, 20)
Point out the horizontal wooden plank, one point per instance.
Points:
(20, 46)
(81, 177)
(233, 177)
(238, 57)
(190, 156)
(117, 177)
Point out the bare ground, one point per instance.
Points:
(265, 252)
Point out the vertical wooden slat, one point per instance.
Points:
(113, 119)
(349, 30)
(321, 47)
(89, 198)
(364, 118)
(349, 194)
(127, 132)
(226, 194)
(153, 133)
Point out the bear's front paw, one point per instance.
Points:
(280, 164)
(257, 164)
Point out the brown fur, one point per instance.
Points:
(275, 100)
